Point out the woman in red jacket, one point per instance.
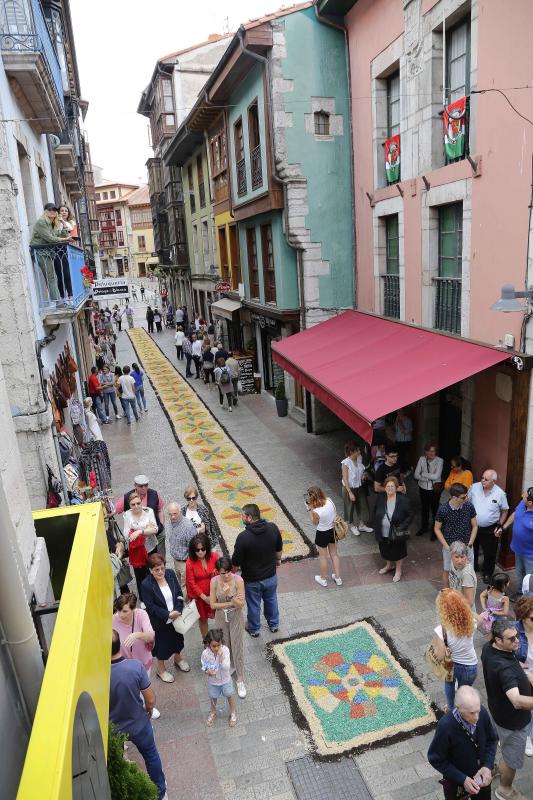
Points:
(199, 569)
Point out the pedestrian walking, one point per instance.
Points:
(164, 604)
(524, 627)
(158, 319)
(164, 296)
(117, 317)
(134, 293)
(131, 701)
(179, 317)
(127, 384)
(107, 382)
(197, 353)
(234, 370)
(216, 664)
(187, 352)
(455, 522)
(522, 540)
(150, 319)
(392, 518)
(142, 293)
(510, 701)
(118, 388)
(494, 601)
(150, 499)
(138, 376)
(492, 508)
(258, 550)
(208, 361)
(199, 569)
(227, 598)
(179, 337)
(96, 395)
(181, 532)
(353, 489)
(140, 528)
(225, 386)
(428, 473)
(464, 747)
(198, 514)
(95, 431)
(462, 577)
(129, 316)
(456, 631)
(322, 513)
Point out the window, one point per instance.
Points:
(97, 195)
(190, 180)
(393, 254)
(141, 266)
(201, 185)
(458, 62)
(162, 116)
(253, 272)
(235, 258)
(141, 243)
(223, 251)
(118, 216)
(239, 158)
(195, 244)
(205, 242)
(104, 196)
(269, 272)
(321, 119)
(391, 278)
(112, 194)
(219, 164)
(120, 238)
(253, 126)
(256, 165)
(448, 282)
(393, 104)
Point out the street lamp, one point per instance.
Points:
(508, 301)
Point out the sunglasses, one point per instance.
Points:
(199, 549)
(190, 498)
(510, 638)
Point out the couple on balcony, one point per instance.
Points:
(56, 226)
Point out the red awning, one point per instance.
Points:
(362, 366)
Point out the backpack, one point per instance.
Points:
(225, 377)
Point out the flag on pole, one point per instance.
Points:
(454, 129)
(392, 159)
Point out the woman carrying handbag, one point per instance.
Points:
(392, 518)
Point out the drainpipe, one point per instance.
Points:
(20, 637)
(342, 28)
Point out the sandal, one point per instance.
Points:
(384, 570)
(211, 718)
(232, 720)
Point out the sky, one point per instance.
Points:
(117, 45)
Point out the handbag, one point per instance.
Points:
(436, 486)
(441, 668)
(340, 528)
(189, 616)
(396, 534)
(137, 554)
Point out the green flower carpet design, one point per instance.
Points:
(349, 690)
(225, 476)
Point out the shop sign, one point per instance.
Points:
(222, 286)
(264, 322)
(110, 288)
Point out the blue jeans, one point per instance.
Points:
(107, 397)
(98, 407)
(145, 743)
(130, 404)
(523, 566)
(464, 675)
(139, 396)
(256, 591)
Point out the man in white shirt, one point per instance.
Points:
(197, 353)
(492, 508)
(127, 384)
(428, 473)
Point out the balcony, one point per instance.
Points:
(57, 272)
(448, 304)
(31, 64)
(391, 296)
(241, 177)
(257, 167)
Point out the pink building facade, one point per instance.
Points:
(435, 247)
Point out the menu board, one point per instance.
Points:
(246, 374)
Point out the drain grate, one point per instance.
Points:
(322, 780)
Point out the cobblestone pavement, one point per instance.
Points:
(248, 762)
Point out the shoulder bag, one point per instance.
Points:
(441, 668)
(188, 618)
(436, 486)
(340, 528)
(396, 534)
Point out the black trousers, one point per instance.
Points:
(451, 793)
(179, 352)
(188, 359)
(197, 364)
(150, 326)
(429, 500)
(485, 539)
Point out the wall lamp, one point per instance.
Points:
(508, 300)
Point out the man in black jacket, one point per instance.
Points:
(257, 552)
(464, 747)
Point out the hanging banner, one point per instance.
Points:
(454, 129)
(110, 288)
(392, 159)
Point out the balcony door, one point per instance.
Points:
(448, 282)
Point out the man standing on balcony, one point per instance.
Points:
(47, 232)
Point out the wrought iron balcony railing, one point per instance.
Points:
(57, 269)
(241, 177)
(391, 296)
(448, 304)
(257, 167)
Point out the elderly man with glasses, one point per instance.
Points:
(492, 508)
(510, 701)
(455, 522)
(182, 530)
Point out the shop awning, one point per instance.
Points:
(152, 260)
(362, 366)
(225, 308)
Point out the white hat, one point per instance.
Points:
(527, 585)
(141, 480)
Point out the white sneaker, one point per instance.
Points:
(321, 581)
(241, 689)
(231, 408)
(529, 746)
(365, 529)
(355, 530)
(155, 713)
(338, 581)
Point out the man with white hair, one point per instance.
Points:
(492, 508)
(464, 747)
(182, 530)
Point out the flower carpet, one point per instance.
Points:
(349, 690)
(225, 477)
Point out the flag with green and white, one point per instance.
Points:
(454, 129)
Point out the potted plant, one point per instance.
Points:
(282, 404)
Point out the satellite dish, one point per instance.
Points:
(54, 141)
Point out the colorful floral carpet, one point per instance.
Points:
(224, 475)
(349, 690)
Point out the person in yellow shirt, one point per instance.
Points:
(459, 473)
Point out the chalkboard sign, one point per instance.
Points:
(246, 375)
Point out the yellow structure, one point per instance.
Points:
(142, 233)
(76, 679)
(227, 242)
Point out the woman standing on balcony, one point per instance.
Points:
(67, 222)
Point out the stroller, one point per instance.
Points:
(169, 319)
